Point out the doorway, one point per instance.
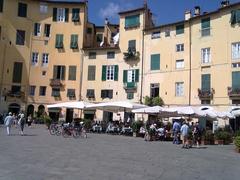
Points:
(69, 116)
(14, 108)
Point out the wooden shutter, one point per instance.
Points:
(137, 75)
(155, 62)
(116, 73)
(236, 80)
(72, 73)
(180, 29)
(104, 68)
(66, 14)
(125, 76)
(54, 14)
(206, 82)
(17, 72)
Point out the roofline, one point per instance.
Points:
(101, 48)
(132, 11)
(63, 2)
(165, 25)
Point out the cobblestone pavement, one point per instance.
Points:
(40, 156)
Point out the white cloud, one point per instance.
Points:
(110, 11)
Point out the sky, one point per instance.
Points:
(164, 11)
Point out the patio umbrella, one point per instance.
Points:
(74, 105)
(148, 110)
(117, 106)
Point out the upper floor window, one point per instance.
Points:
(99, 38)
(22, 10)
(71, 93)
(180, 64)
(235, 17)
(1, 5)
(236, 80)
(90, 93)
(32, 90)
(131, 75)
(206, 82)
(45, 59)
(59, 72)
(167, 32)
(20, 37)
(42, 90)
(155, 62)
(47, 30)
(236, 50)
(43, 8)
(72, 73)
(74, 41)
(75, 15)
(155, 35)
(180, 29)
(132, 21)
(179, 89)
(107, 93)
(37, 29)
(56, 92)
(91, 73)
(179, 47)
(110, 55)
(154, 90)
(205, 27)
(59, 41)
(60, 14)
(110, 72)
(206, 55)
(17, 72)
(132, 45)
(92, 55)
(35, 58)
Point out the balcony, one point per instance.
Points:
(233, 92)
(130, 86)
(56, 83)
(132, 54)
(17, 94)
(205, 94)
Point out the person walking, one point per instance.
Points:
(184, 132)
(197, 135)
(176, 131)
(21, 123)
(8, 122)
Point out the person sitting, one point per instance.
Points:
(161, 133)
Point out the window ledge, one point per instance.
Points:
(206, 64)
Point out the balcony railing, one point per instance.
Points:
(131, 54)
(56, 83)
(206, 94)
(130, 85)
(233, 92)
(18, 94)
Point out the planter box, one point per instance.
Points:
(219, 142)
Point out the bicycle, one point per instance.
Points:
(55, 129)
(69, 130)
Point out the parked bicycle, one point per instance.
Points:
(69, 130)
(55, 129)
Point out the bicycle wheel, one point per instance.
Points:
(65, 133)
(83, 133)
(52, 129)
(58, 131)
(76, 133)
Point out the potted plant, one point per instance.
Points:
(208, 138)
(237, 143)
(222, 137)
(136, 125)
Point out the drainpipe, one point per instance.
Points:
(190, 63)
(141, 90)
(81, 75)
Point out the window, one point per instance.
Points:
(179, 47)
(43, 8)
(72, 73)
(1, 5)
(44, 73)
(236, 101)
(20, 37)
(37, 29)
(22, 10)
(32, 90)
(180, 29)
(236, 50)
(107, 93)
(130, 95)
(154, 90)
(155, 62)
(132, 45)
(59, 72)
(45, 59)
(42, 90)
(90, 93)
(235, 17)
(179, 89)
(99, 38)
(75, 15)
(205, 25)
(34, 58)
(235, 80)
(60, 14)
(17, 72)
(47, 30)
(111, 55)
(71, 93)
(167, 32)
(130, 77)
(206, 82)
(91, 73)
(206, 55)
(110, 73)
(235, 65)
(205, 101)
(56, 92)
(16, 90)
(132, 21)
(59, 41)
(89, 30)
(92, 55)
(74, 41)
(155, 35)
(180, 64)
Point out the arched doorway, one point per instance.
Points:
(41, 110)
(14, 108)
(30, 110)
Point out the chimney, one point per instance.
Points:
(224, 3)
(187, 15)
(196, 10)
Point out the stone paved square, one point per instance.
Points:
(40, 156)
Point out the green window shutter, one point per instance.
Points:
(205, 23)
(17, 72)
(104, 68)
(54, 14)
(72, 73)
(75, 15)
(155, 62)
(1, 5)
(55, 69)
(206, 82)
(180, 29)
(66, 14)
(132, 21)
(116, 73)
(125, 76)
(74, 41)
(137, 75)
(236, 80)
(59, 41)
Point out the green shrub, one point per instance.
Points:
(237, 141)
(47, 120)
(223, 135)
(87, 124)
(209, 136)
(237, 133)
(136, 125)
(153, 101)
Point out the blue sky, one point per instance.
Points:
(164, 11)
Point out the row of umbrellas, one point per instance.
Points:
(127, 106)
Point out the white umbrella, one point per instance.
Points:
(148, 110)
(190, 111)
(117, 106)
(235, 111)
(73, 104)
